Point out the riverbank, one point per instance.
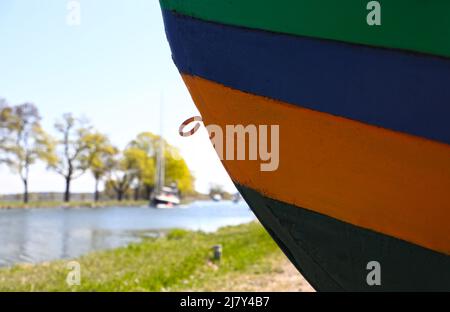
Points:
(74, 204)
(179, 261)
(90, 204)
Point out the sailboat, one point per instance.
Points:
(163, 197)
(363, 108)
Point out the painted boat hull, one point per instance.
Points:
(364, 171)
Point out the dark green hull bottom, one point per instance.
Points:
(333, 255)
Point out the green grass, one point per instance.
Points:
(179, 261)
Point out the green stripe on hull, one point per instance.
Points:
(333, 255)
(415, 25)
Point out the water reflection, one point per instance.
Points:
(35, 235)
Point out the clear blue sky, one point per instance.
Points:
(112, 69)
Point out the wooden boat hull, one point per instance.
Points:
(364, 171)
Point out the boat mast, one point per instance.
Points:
(160, 161)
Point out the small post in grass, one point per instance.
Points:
(217, 252)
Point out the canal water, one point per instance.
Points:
(42, 234)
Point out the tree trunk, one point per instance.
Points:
(67, 192)
(148, 191)
(96, 193)
(136, 193)
(25, 191)
(119, 195)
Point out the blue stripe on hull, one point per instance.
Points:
(391, 89)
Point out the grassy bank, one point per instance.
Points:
(74, 204)
(179, 261)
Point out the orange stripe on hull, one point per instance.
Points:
(389, 182)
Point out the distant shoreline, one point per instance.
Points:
(74, 204)
(6, 205)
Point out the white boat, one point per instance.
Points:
(168, 197)
(236, 198)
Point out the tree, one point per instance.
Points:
(100, 157)
(72, 160)
(24, 141)
(148, 143)
(176, 169)
(121, 175)
(5, 112)
(144, 169)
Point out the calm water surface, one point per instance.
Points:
(35, 235)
